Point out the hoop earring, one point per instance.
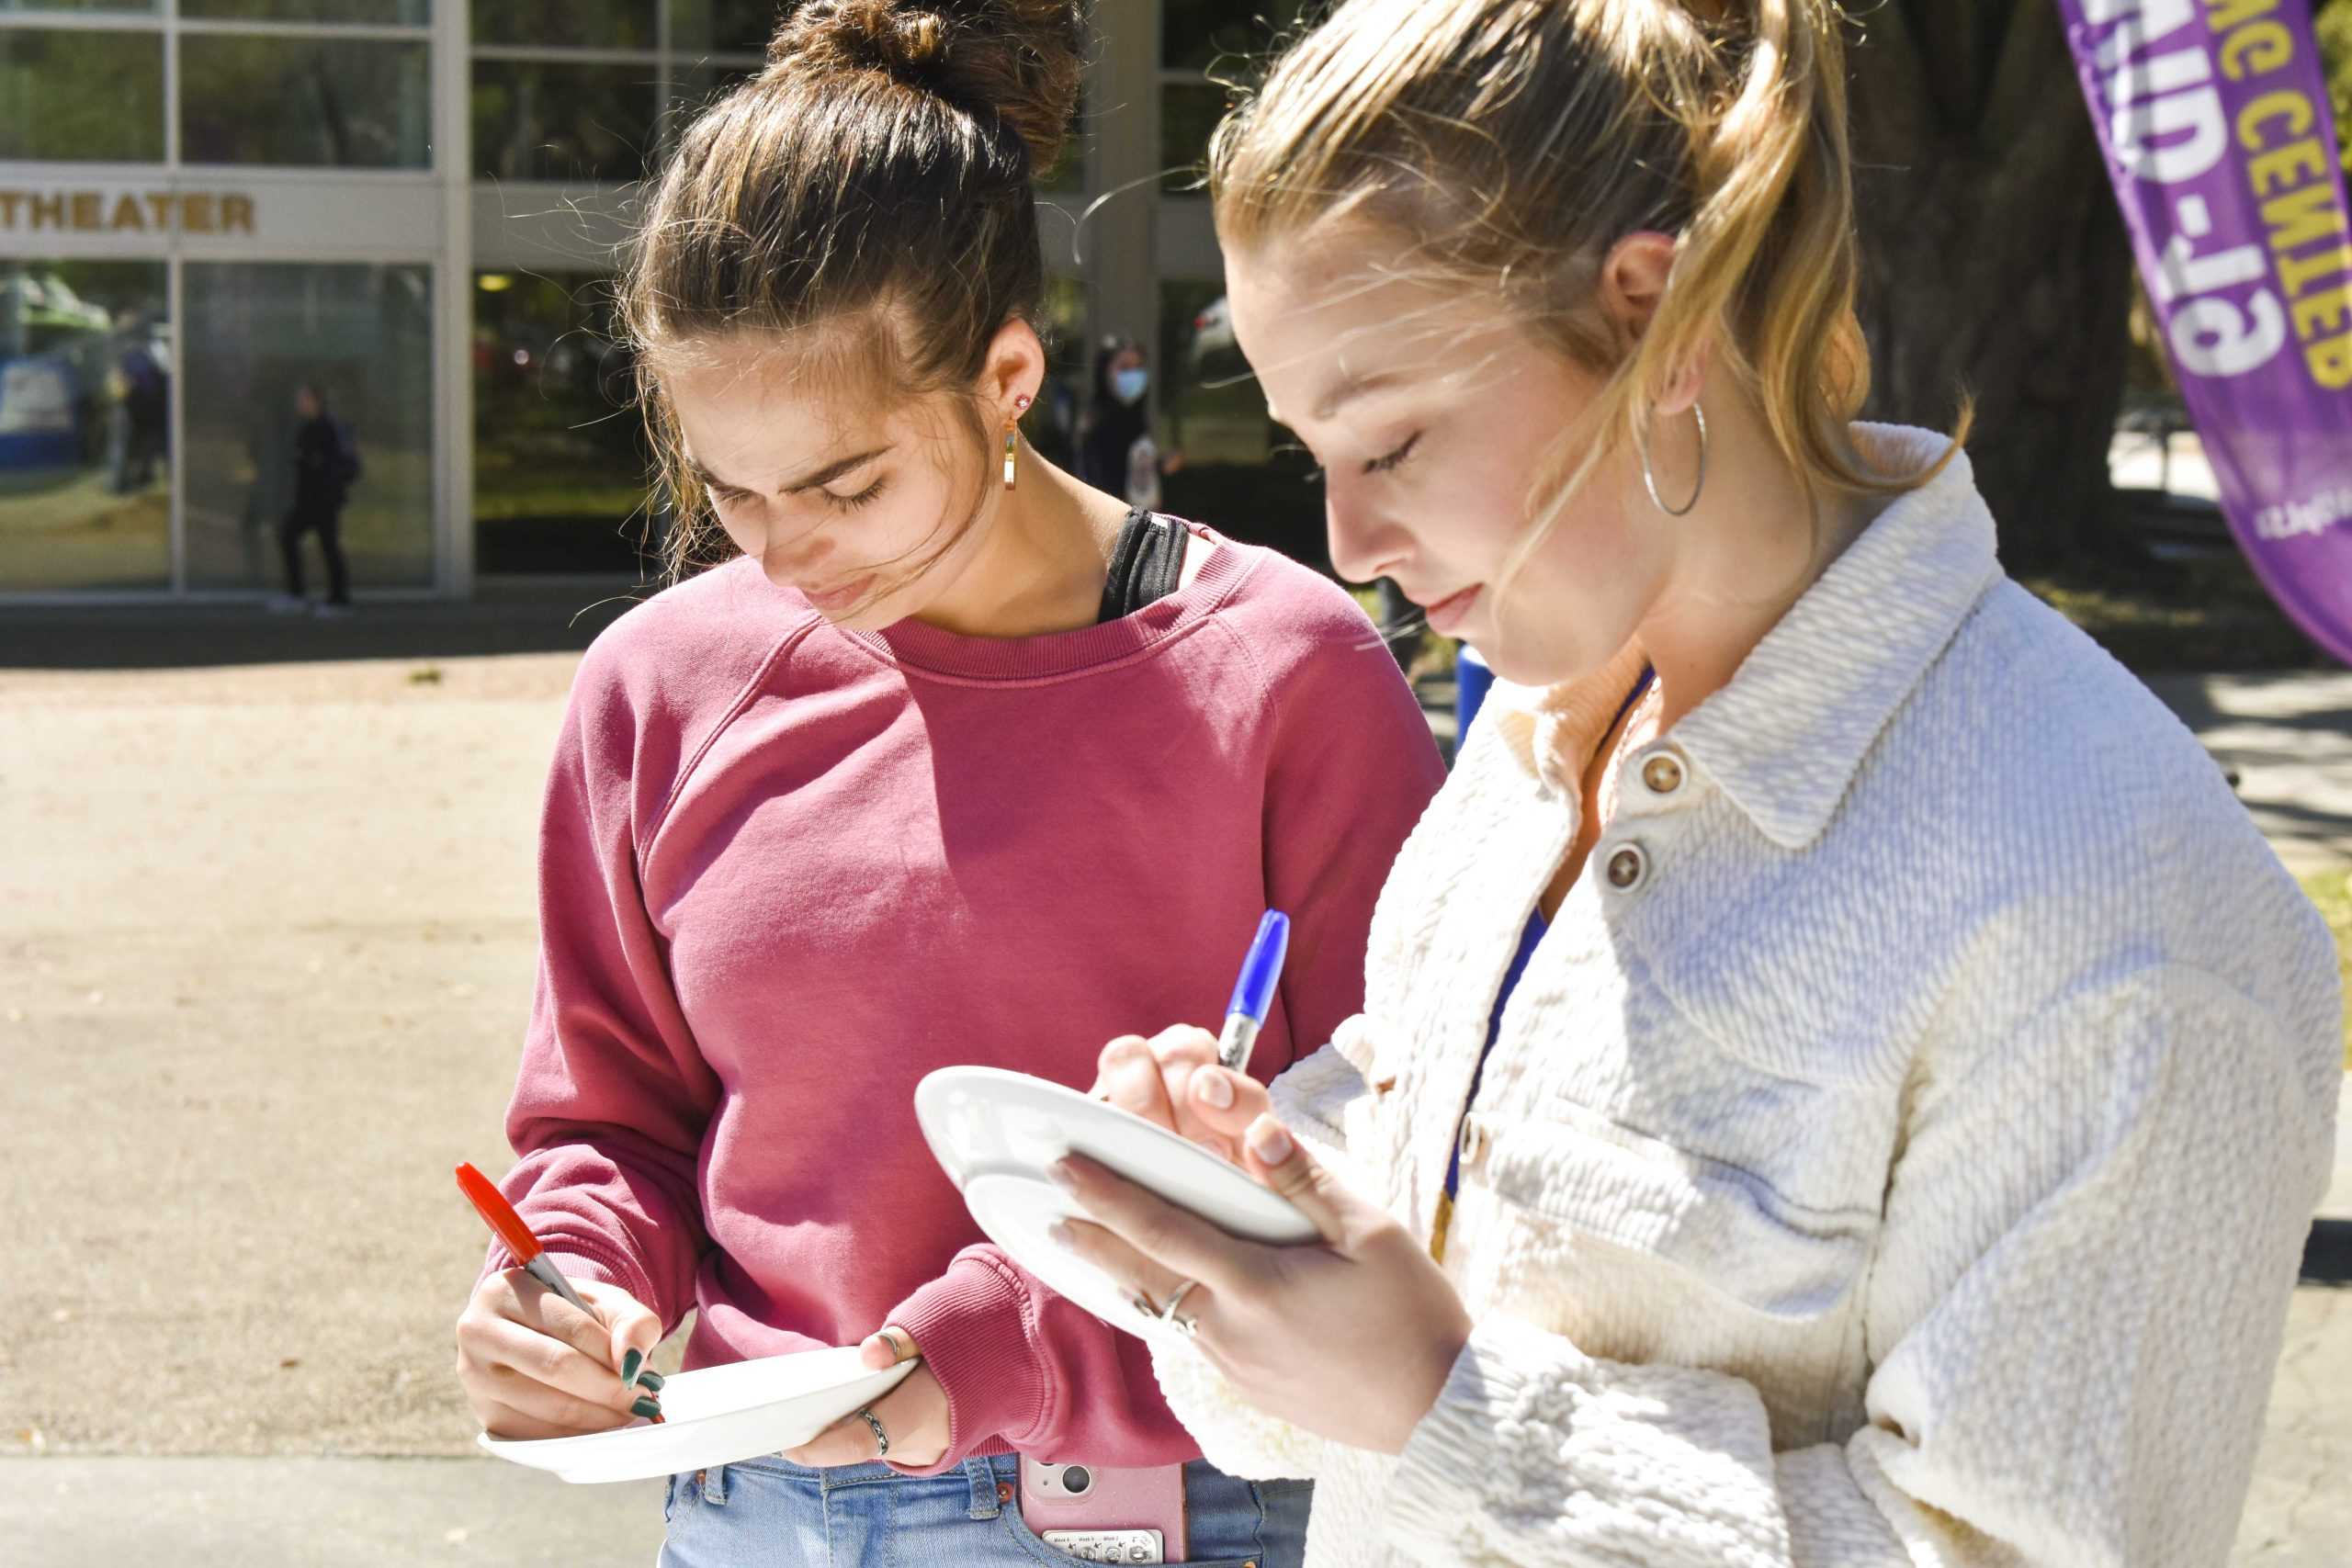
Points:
(1649, 474)
(1012, 442)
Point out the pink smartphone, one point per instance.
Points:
(1105, 1516)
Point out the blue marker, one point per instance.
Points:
(1254, 992)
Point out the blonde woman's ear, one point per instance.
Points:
(1680, 393)
(1632, 278)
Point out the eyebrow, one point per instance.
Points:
(1355, 386)
(808, 482)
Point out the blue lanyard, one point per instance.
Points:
(1528, 940)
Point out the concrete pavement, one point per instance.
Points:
(318, 1513)
(2337, 1204)
(2288, 738)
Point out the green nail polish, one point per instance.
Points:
(650, 1378)
(645, 1408)
(630, 1363)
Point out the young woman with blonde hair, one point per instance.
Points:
(1842, 1081)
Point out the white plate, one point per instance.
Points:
(996, 1133)
(718, 1415)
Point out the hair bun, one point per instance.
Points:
(1019, 59)
(885, 35)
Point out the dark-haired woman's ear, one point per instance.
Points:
(1013, 374)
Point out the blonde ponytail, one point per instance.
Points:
(1516, 140)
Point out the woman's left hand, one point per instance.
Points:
(914, 1413)
(1351, 1337)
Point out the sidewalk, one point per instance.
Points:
(2288, 738)
(2337, 1204)
(319, 1513)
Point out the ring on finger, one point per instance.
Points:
(881, 1438)
(1141, 1301)
(1183, 1325)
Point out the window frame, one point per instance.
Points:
(669, 63)
(165, 19)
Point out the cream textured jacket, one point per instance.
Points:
(1902, 1156)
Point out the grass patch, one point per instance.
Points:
(2332, 891)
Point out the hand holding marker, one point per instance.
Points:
(500, 1215)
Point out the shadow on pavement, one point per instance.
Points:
(517, 617)
(2327, 1254)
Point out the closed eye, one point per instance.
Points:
(866, 497)
(1393, 459)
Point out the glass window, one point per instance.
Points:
(1189, 112)
(1210, 404)
(257, 331)
(578, 24)
(1214, 41)
(696, 87)
(723, 26)
(540, 120)
(356, 103)
(148, 7)
(560, 456)
(85, 376)
(1223, 35)
(374, 13)
(80, 97)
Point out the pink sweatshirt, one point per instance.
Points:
(786, 870)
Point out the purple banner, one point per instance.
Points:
(2214, 117)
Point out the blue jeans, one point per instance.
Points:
(766, 1512)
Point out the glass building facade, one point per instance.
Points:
(414, 205)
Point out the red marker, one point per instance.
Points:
(500, 1215)
(492, 1207)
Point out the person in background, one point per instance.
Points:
(324, 468)
(139, 393)
(1117, 451)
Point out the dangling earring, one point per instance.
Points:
(1649, 474)
(1012, 441)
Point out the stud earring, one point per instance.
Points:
(1012, 441)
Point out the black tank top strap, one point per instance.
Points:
(1147, 564)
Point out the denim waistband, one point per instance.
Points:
(989, 1478)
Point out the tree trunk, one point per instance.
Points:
(1994, 262)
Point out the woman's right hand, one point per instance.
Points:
(535, 1366)
(1173, 1080)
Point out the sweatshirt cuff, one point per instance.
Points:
(577, 1260)
(973, 1326)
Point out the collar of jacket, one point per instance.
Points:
(1784, 738)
